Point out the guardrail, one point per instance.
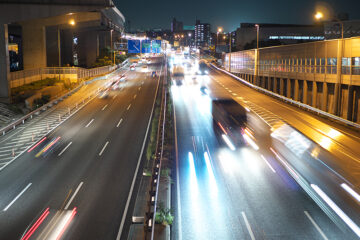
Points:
(22, 120)
(30, 115)
(20, 78)
(285, 99)
(155, 180)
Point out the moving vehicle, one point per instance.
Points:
(203, 68)
(132, 67)
(229, 121)
(178, 75)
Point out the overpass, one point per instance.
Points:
(54, 33)
(323, 74)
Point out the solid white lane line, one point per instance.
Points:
(104, 107)
(114, 96)
(65, 149)
(137, 166)
(248, 226)
(73, 196)
(267, 163)
(128, 107)
(134, 96)
(16, 198)
(87, 125)
(119, 123)
(102, 150)
(177, 180)
(315, 225)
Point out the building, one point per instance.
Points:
(202, 34)
(276, 34)
(53, 33)
(176, 26)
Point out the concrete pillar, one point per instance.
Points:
(305, 92)
(269, 86)
(314, 94)
(324, 97)
(282, 86)
(337, 94)
(34, 45)
(263, 85)
(88, 48)
(288, 88)
(350, 103)
(296, 90)
(4, 64)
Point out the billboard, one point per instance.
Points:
(156, 46)
(133, 46)
(145, 46)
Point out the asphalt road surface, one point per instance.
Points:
(86, 166)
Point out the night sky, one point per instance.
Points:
(146, 14)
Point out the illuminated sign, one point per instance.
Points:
(297, 37)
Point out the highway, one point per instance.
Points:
(86, 166)
(242, 194)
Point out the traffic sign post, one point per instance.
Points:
(134, 46)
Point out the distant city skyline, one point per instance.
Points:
(229, 13)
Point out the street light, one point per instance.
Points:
(72, 22)
(257, 54)
(219, 30)
(337, 90)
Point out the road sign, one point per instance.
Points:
(133, 46)
(145, 46)
(156, 46)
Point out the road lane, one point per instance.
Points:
(54, 176)
(273, 203)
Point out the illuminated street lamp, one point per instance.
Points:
(72, 22)
(337, 90)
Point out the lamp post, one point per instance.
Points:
(257, 54)
(230, 39)
(340, 54)
(219, 30)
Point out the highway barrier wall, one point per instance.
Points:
(324, 74)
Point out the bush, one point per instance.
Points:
(163, 215)
(38, 102)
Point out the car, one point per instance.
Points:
(132, 67)
(122, 78)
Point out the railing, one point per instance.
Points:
(155, 180)
(20, 78)
(285, 99)
(22, 120)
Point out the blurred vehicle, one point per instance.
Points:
(203, 68)
(148, 61)
(122, 78)
(132, 67)
(229, 121)
(104, 94)
(204, 90)
(178, 75)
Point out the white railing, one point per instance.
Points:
(20, 78)
(289, 100)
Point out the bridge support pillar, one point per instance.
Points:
(288, 88)
(314, 94)
(282, 86)
(350, 103)
(4, 64)
(324, 97)
(305, 92)
(296, 90)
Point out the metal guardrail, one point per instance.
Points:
(155, 180)
(20, 78)
(296, 103)
(30, 115)
(22, 120)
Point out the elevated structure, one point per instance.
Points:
(54, 33)
(323, 74)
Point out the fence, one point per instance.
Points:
(75, 74)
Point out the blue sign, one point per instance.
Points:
(146, 46)
(133, 46)
(156, 46)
